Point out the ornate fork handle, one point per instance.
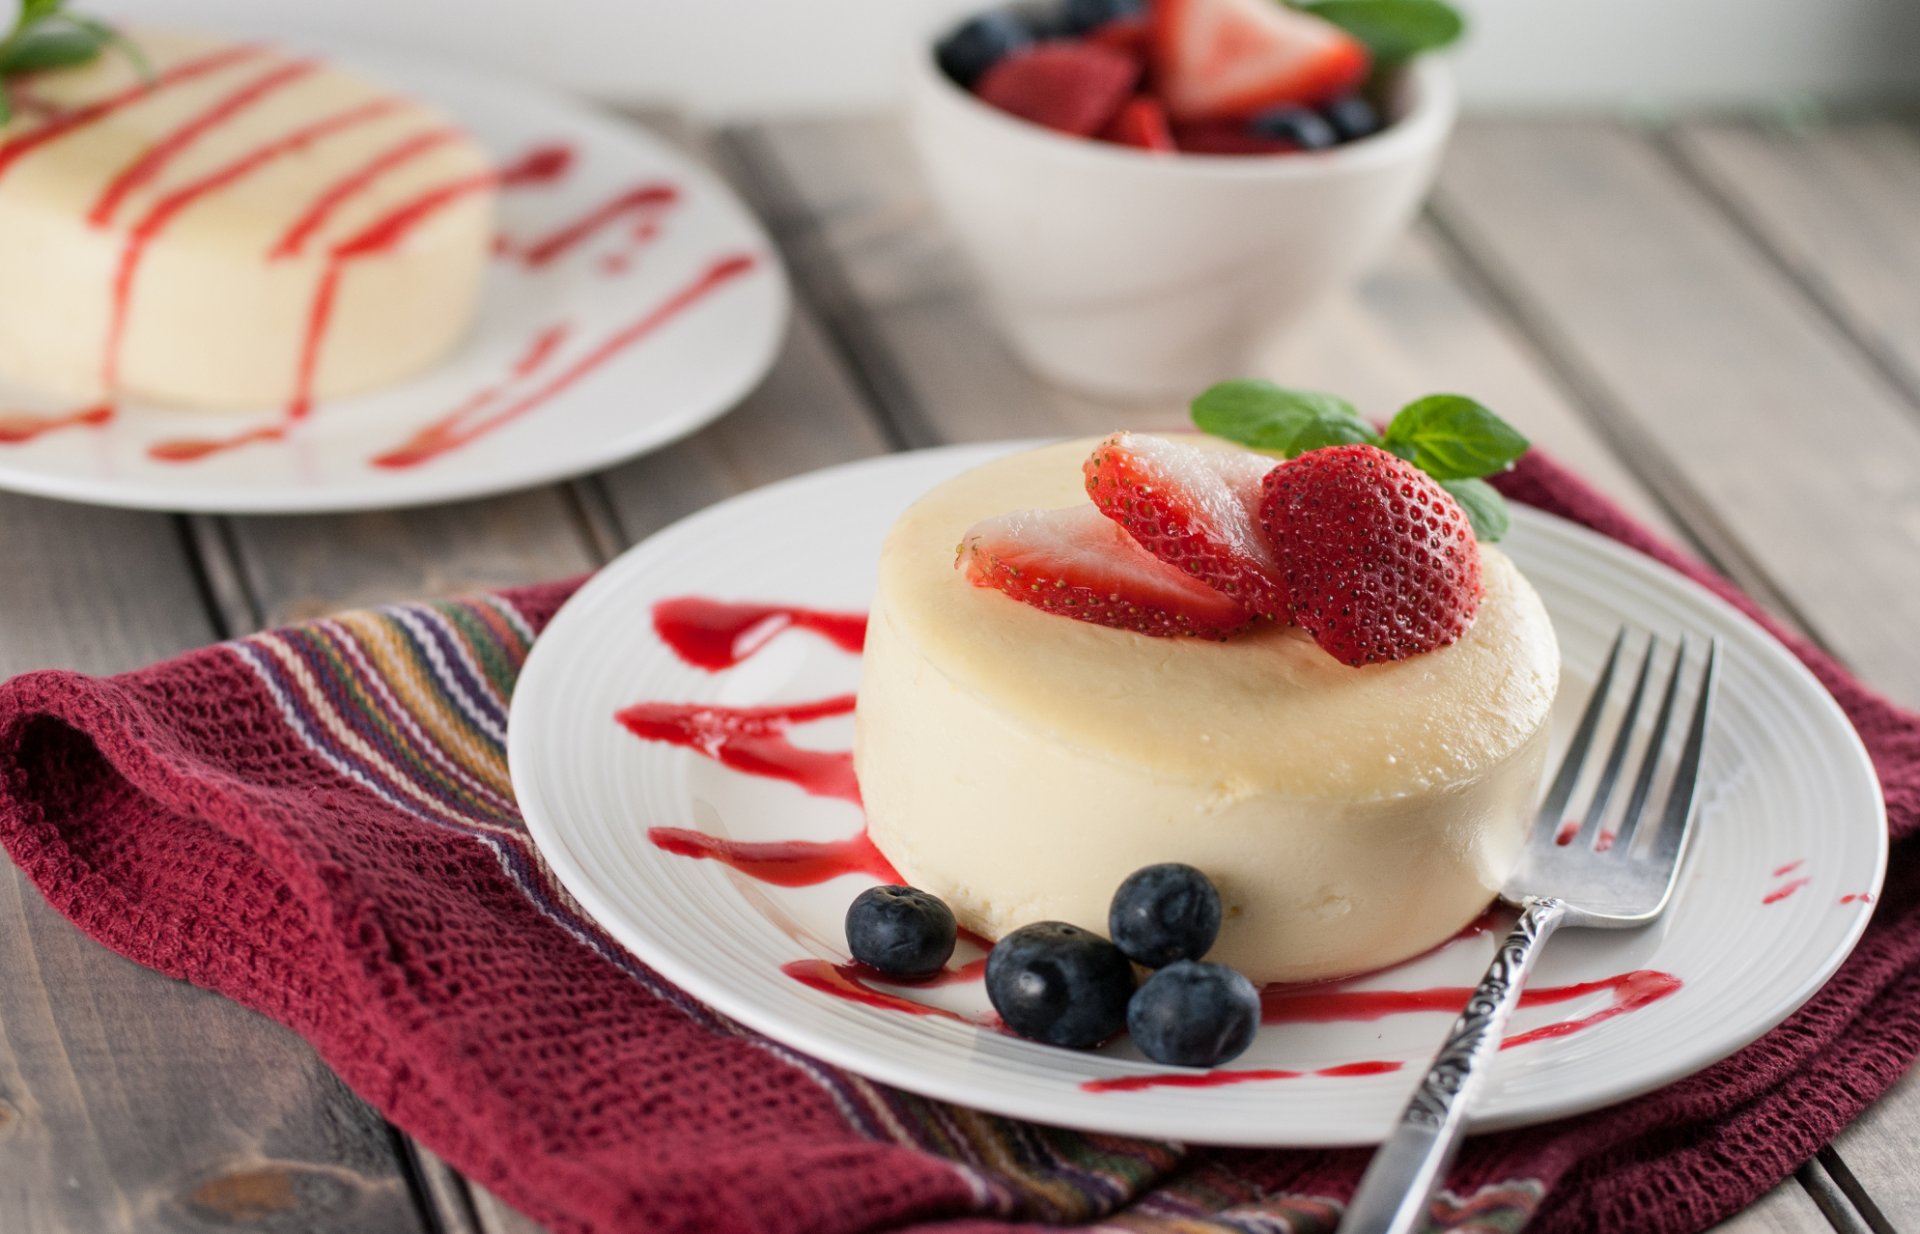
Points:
(1394, 1192)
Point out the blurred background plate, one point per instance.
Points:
(692, 367)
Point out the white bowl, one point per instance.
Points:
(1128, 273)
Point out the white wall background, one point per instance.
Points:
(733, 57)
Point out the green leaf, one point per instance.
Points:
(49, 47)
(1269, 417)
(1485, 508)
(111, 37)
(1393, 30)
(1452, 437)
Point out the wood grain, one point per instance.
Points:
(1837, 204)
(1787, 1209)
(129, 1102)
(1742, 401)
(1834, 203)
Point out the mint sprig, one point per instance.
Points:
(1393, 30)
(1449, 436)
(45, 36)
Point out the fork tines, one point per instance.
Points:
(1587, 829)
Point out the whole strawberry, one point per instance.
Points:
(1379, 562)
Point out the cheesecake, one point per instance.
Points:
(237, 226)
(1020, 765)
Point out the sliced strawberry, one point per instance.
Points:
(1072, 87)
(1127, 34)
(1380, 562)
(1197, 510)
(1143, 123)
(1227, 59)
(1077, 563)
(1226, 137)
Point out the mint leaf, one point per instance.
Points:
(1269, 417)
(1451, 437)
(1393, 30)
(1485, 508)
(110, 36)
(49, 47)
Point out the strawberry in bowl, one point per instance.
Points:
(1230, 77)
(1091, 161)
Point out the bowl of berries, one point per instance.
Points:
(1152, 191)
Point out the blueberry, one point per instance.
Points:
(1194, 1015)
(979, 43)
(1302, 126)
(1078, 17)
(1352, 117)
(900, 931)
(1060, 984)
(1164, 913)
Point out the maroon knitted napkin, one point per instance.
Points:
(316, 822)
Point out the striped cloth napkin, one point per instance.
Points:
(317, 822)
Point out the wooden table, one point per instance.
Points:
(1718, 321)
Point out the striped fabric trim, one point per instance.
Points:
(410, 702)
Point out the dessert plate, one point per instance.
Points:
(1791, 850)
(632, 327)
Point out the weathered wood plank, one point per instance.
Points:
(303, 566)
(1787, 1209)
(1748, 408)
(1838, 205)
(1835, 203)
(807, 415)
(107, 1122)
(1878, 1155)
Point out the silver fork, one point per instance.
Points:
(1581, 882)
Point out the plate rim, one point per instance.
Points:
(1685, 1059)
(659, 434)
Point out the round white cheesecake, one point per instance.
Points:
(166, 238)
(1020, 764)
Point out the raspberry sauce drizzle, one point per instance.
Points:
(170, 206)
(718, 634)
(753, 740)
(1784, 890)
(849, 983)
(783, 863)
(20, 427)
(644, 200)
(351, 185)
(1279, 1004)
(540, 165)
(14, 149)
(155, 158)
(459, 428)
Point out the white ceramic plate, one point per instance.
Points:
(1786, 782)
(685, 373)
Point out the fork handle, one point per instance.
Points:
(1393, 1194)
